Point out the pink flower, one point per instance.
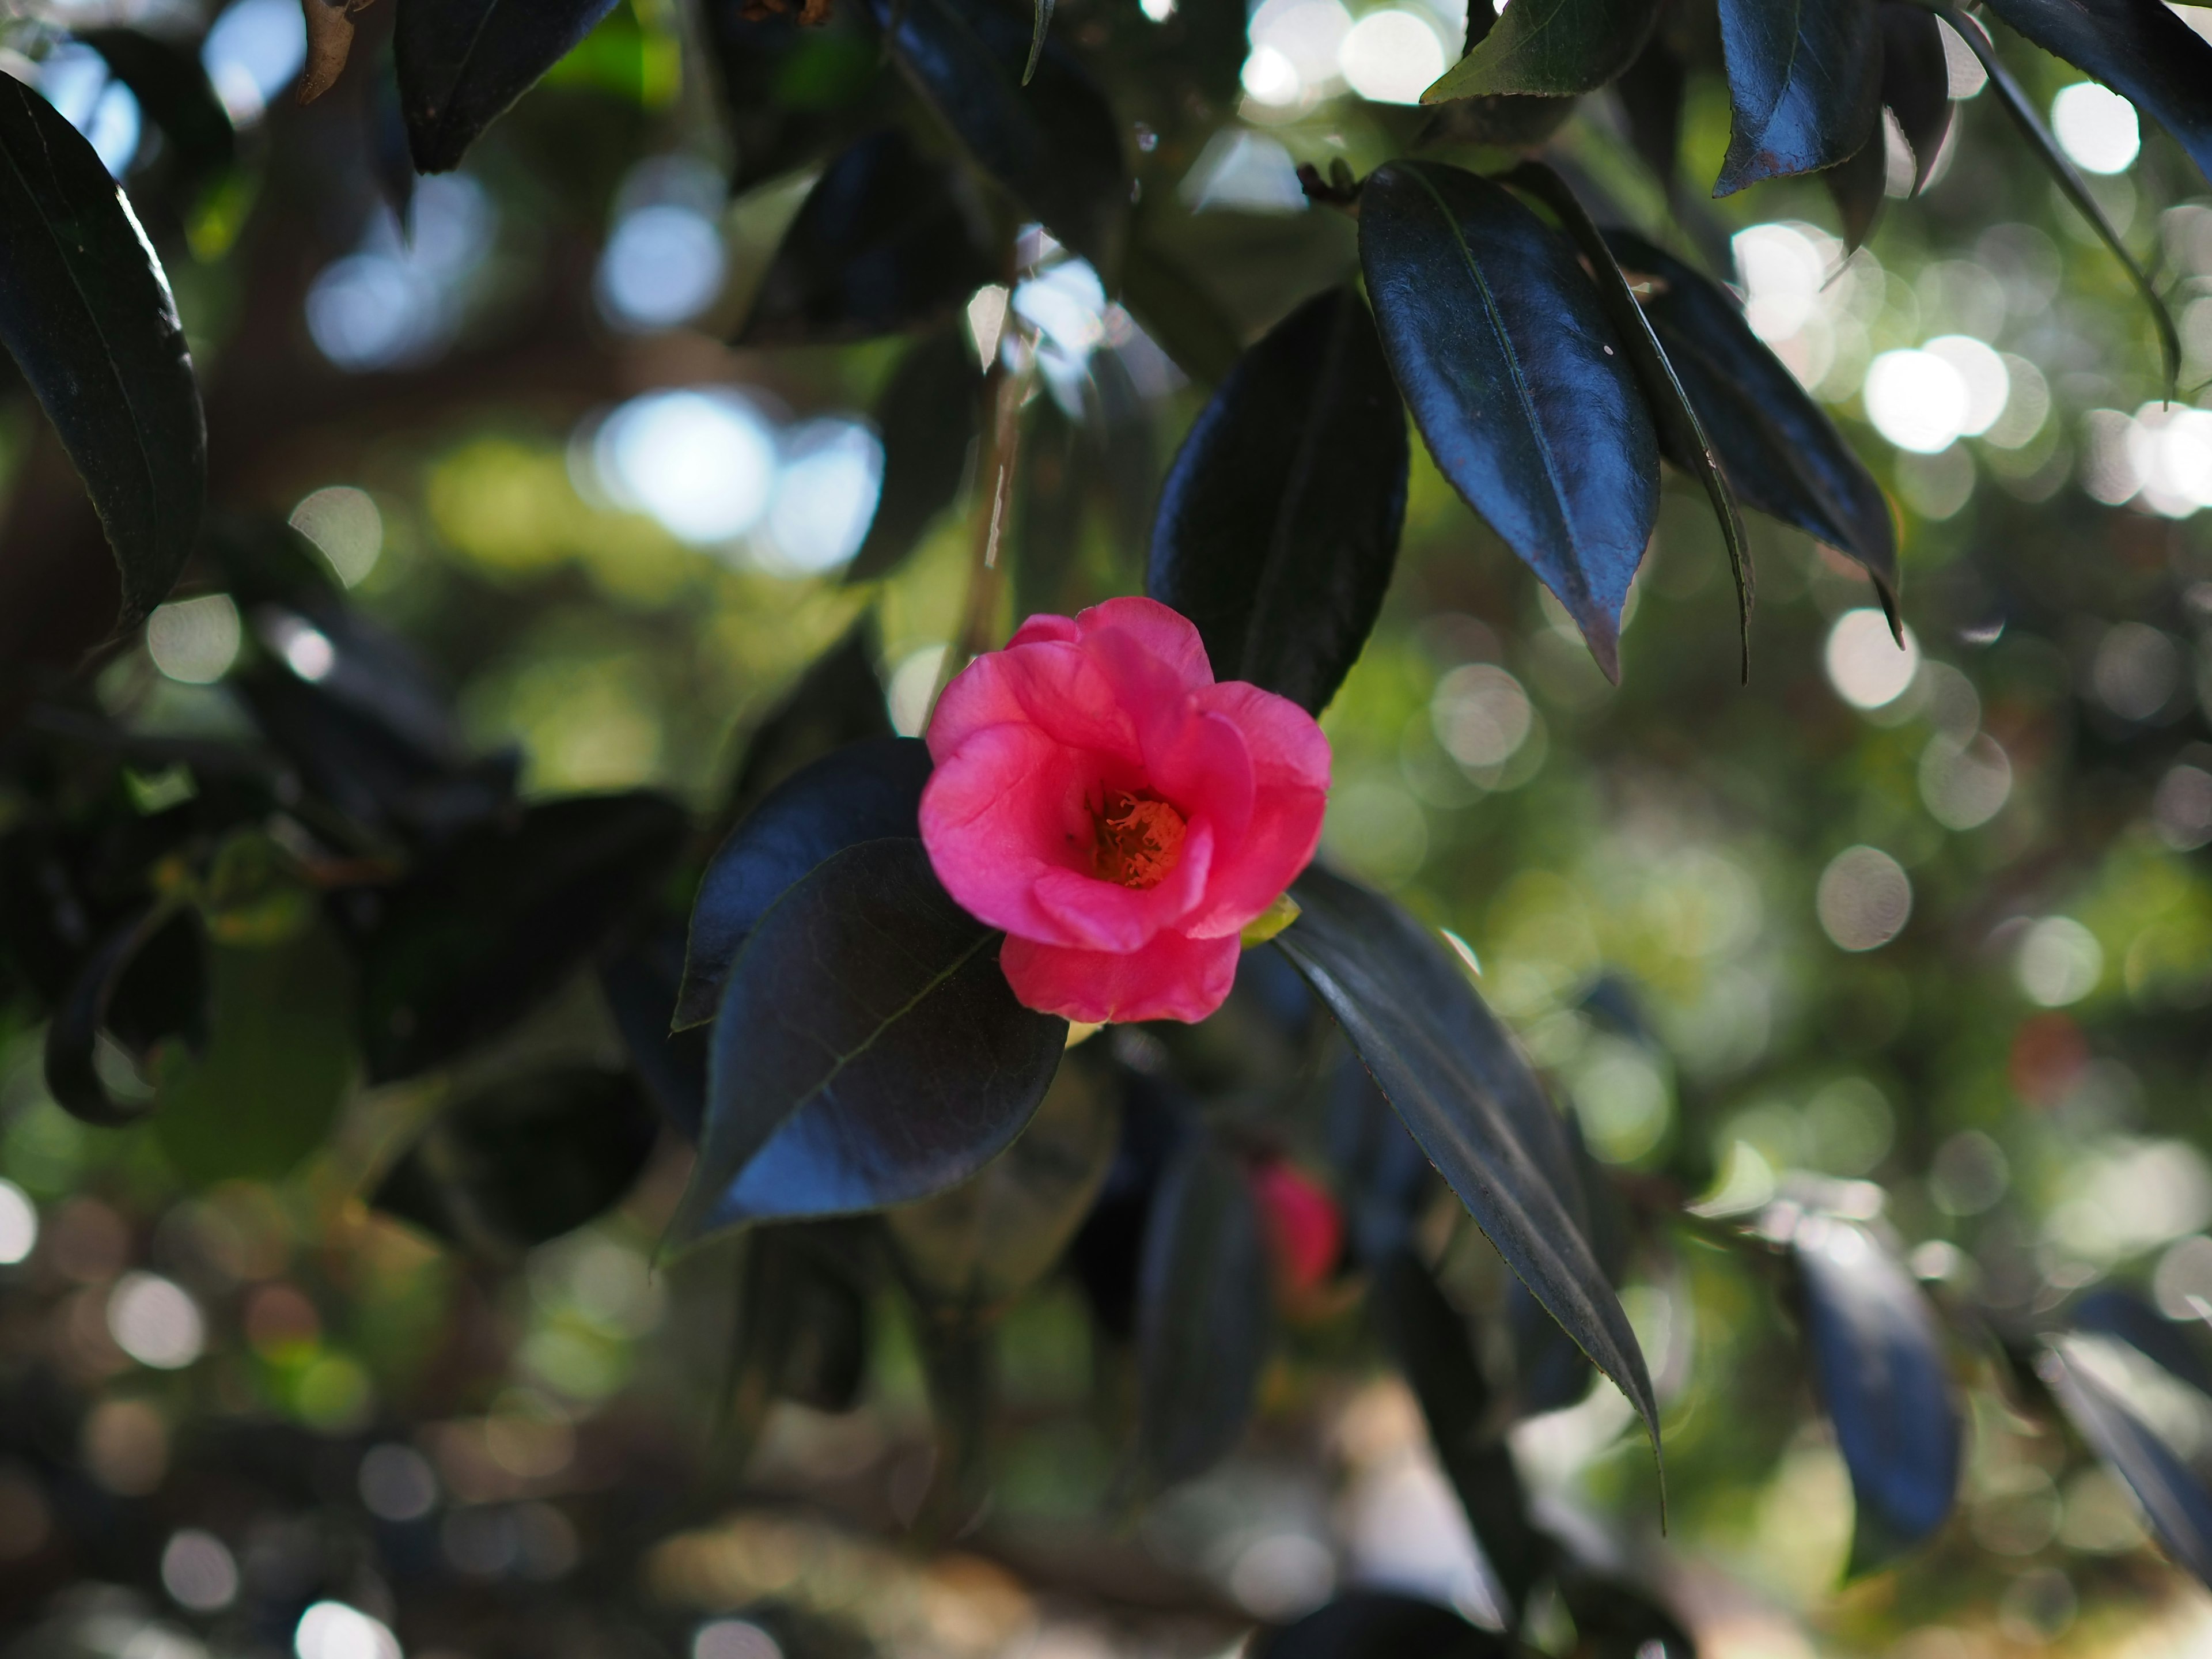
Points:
(1119, 813)
(1305, 1226)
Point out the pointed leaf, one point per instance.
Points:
(1470, 1100)
(1804, 86)
(527, 1160)
(926, 418)
(888, 241)
(1878, 1361)
(1549, 48)
(837, 701)
(462, 64)
(146, 980)
(485, 931)
(1204, 1315)
(2110, 1311)
(85, 311)
(1517, 380)
(1681, 435)
(2138, 48)
(867, 1051)
(1650, 92)
(868, 791)
(1278, 521)
(1781, 452)
(2179, 1508)
(2069, 182)
(1053, 141)
(1915, 81)
(640, 986)
(1380, 1625)
(1858, 188)
(1041, 30)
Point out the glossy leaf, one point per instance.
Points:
(1369, 1624)
(867, 1051)
(1804, 86)
(1053, 141)
(2016, 104)
(968, 1252)
(2176, 1501)
(494, 923)
(278, 1063)
(1681, 435)
(1517, 380)
(1205, 1314)
(462, 64)
(1469, 1098)
(1781, 452)
(2138, 48)
(85, 311)
(926, 418)
(1279, 521)
(1435, 1349)
(526, 1160)
(888, 241)
(1878, 1363)
(868, 791)
(1549, 48)
(1915, 81)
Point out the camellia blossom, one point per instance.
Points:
(1119, 812)
(1305, 1224)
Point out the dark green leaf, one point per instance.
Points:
(802, 1325)
(1915, 81)
(1434, 1348)
(1470, 1100)
(87, 313)
(1804, 86)
(1857, 186)
(1278, 521)
(640, 986)
(1620, 1621)
(2136, 47)
(279, 1061)
(2179, 1508)
(1878, 1363)
(1177, 312)
(463, 63)
(972, 1251)
(173, 90)
(1682, 436)
(793, 93)
(867, 1051)
(526, 1160)
(1204, 1315)
(1781, 452)
(926, 418)
(145, 982)
(1549, 48)
(868, 791)
(495, 922)
(1650, 92)
(1379, 1625)
(1053, 141)
(888, 241)
(1037, 35)
(2069, 182)
(1518, 383)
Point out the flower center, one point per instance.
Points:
(1139, 840)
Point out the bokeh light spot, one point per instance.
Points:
(1865, 898)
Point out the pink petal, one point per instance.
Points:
(1171, 978)
(1045, 627)
(1104, 915)
(1001, 811)
(1196, 761)
(1278, 845)
(1286, 744)
(1165, 634)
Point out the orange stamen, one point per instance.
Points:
(1139, 840)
